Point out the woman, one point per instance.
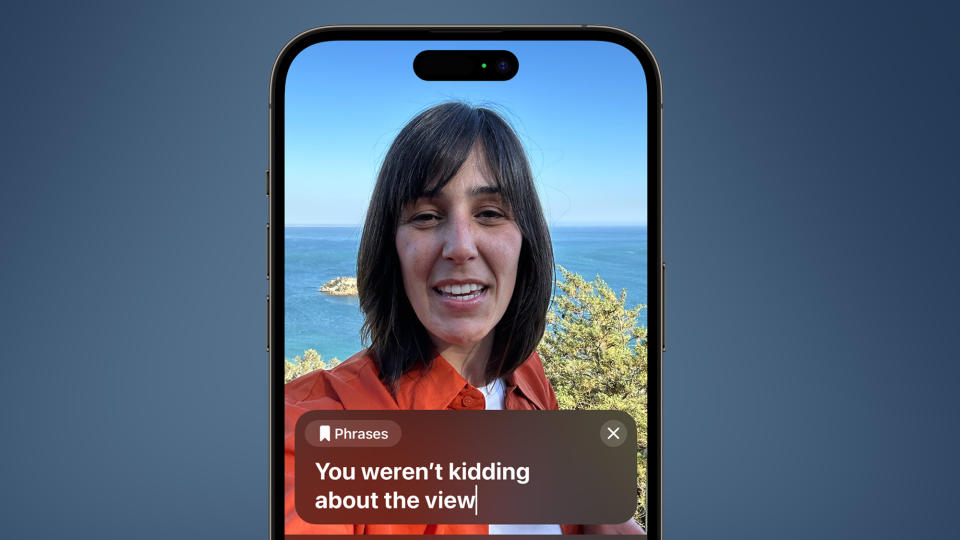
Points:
(454, 273)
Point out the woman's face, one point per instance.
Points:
(459, 252)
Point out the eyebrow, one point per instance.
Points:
(485, 190)
(475, 192)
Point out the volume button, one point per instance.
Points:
(268, 323)
(268, 182)
(663, 307)
(269, 256)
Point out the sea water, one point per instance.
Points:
(331, 324)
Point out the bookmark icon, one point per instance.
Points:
(324, 433)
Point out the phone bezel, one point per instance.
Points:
(655, 271)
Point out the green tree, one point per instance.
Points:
(301, 365)
(594, 353)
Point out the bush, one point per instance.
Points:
(595, 355)
(301, 365)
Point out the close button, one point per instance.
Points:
(613, 433)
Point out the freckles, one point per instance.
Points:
(505, 248)
(417, 254)
(406, 252)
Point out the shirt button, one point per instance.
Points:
(467, 401)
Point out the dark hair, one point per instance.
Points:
(426, 154)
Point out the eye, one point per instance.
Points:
(490, 214)
(424, 218)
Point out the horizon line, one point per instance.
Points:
(568, 224)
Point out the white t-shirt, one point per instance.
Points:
(495, 394)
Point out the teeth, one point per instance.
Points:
(461, 289)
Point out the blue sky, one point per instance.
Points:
(578, 107)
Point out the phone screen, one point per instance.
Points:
(462, 289)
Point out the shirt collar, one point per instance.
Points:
(437, 387)
(525, 379)
(432, 388)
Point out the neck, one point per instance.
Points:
(470, 360)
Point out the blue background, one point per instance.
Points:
(810, 234)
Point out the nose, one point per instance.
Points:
(459, 244)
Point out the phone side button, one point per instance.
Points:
(268, 251)
(268, 323)
(268, 182)
(663, 307)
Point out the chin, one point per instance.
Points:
(465, 336)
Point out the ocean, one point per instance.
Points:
(331, 324)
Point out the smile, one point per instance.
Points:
(463, 293)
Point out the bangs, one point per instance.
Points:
(430, 151)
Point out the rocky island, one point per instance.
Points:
(341, 286)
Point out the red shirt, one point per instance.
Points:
(354, 384)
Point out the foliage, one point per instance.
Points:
(595, 355)
(301, 365)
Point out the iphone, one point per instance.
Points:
(465, 282)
